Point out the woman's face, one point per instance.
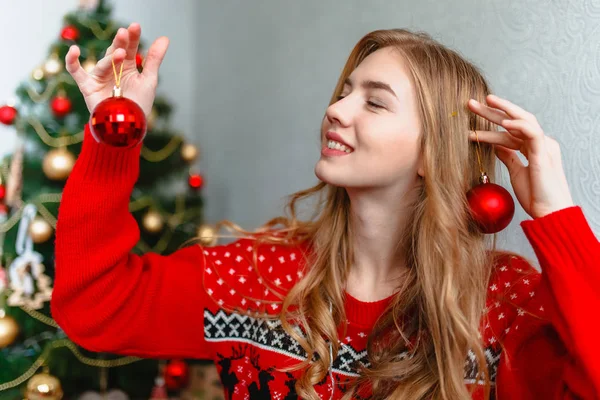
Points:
(370, 137)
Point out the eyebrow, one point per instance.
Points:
(373, 85)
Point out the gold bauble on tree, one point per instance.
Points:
(207, 234)
(153, 222)
(40, 230)
(58, 164)
(38, 74)
(89, 64)
(53, 65)
(189, 152)
(43, 387)
(9, 329)
(151, 120)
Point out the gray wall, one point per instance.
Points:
(265, 70)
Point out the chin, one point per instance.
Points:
(325, 174)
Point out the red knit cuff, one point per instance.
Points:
(563, 236)
(101, 163)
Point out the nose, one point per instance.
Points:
(339, 113)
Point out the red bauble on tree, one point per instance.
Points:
(69, 32)
(196, 181)
(492, 206)
(118, 121)
(61, 105)
(139, 60)
(8, 115)
(176, 374)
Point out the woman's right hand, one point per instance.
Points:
(139, 87)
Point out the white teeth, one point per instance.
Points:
(332, 144)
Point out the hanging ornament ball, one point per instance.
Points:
(69, 32)
(176, 374)
(207, 234)
(118, 121)
(491, 205)
(2, 192)
(40, 230)
(8, 115)
(139, 60)
(153, 222)
(43, 387)
(189, 152)
(195, 181)
(38, 74)
(58, 164)
(53, 65)
(89, 64)
(9, 329)
(61, 105)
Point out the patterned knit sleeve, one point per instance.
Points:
(550, 348)
(106, 298)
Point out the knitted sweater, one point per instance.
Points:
(538, 329)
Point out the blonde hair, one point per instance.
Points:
(443, 293)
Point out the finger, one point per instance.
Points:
(497, 137)
(135, 32)
(510, 159)
(104, 68)
(156, 54)
(491, 114)
(73, 66)
(524, 130)
(513, 110)
(120, 41)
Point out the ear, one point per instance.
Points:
(420, 167)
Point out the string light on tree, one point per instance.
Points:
(58, 164)
(153, 222)
(53, 65)
(89, 64)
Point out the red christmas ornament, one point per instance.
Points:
(176, 374)
(2, 192)
(118, 121)
(492, 206)
(69, 32)
(195, 181)
(139, 60)
(8, 115)
(61, 105)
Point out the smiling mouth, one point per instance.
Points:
(332, 144)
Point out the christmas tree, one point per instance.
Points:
(49, 115)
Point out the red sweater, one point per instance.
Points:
(538, 330)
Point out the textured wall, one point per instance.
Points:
(266, 70)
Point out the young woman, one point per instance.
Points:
(390, 291)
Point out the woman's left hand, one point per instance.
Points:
(541, 186)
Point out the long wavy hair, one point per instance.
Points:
(418, 347)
